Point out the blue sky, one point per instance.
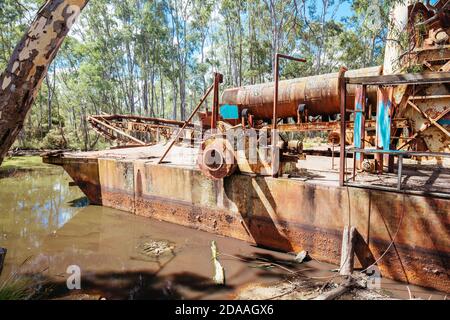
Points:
(344, 10)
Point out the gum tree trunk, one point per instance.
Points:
(27, 68)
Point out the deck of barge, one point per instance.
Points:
(430, 176)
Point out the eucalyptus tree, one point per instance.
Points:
(156, 57)
(28, 65)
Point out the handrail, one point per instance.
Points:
(400, 154)
(402, 79)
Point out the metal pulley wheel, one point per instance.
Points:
(216, 158)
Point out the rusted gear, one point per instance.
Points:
(368, 166)
(334, 138)
(216, 158)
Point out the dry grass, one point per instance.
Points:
(23, 287)
(17, 288)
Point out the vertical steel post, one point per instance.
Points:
(363, 124)
(218, 79)
(400, 169)
(332, 156)
(354, 167)
(274, 149)
(343, 106)
(276, 78)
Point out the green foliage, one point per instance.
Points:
(156, 58)
(16, 289)
(23, 287)
(53, 140)
(415, 69)
(14, 19)
(14, 163)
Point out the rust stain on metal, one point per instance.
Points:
(284, 214)
(319, 93)
(408, 234)
(127, 128)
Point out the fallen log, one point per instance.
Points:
(337, 292)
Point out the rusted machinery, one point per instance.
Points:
(416, 118)
(135, 130)
(403, 232)
(424, 107)
(419, 117)
(313, 96)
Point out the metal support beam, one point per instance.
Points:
(432, 121)
(343, 108)
(370, 125)
(400, 169)
(185, 124)
(276, 78)
(218, 79)
(403, 79)
(116, 130)
(360, 124)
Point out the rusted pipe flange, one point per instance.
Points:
(216, 158)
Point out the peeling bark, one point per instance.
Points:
(27, 68)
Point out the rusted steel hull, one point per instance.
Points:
(283, 214)
(84, 173)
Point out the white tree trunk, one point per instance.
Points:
(27, 68)
(398, 24)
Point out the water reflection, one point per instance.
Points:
(44, 219)
(34, 204)
(80, 202)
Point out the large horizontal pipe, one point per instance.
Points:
(320, 94)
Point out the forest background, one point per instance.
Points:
(157, 58)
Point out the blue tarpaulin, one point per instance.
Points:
(384, 118)
(229, 111)
(444, 122)
(357, 141)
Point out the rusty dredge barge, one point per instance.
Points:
(388, 176)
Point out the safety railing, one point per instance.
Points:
(396, 153)
(388, 81)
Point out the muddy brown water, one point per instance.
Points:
(48, 226)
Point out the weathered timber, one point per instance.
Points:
(120, 132)
(28, 65)
(338, 291)
(348, 251)
(402, 79)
